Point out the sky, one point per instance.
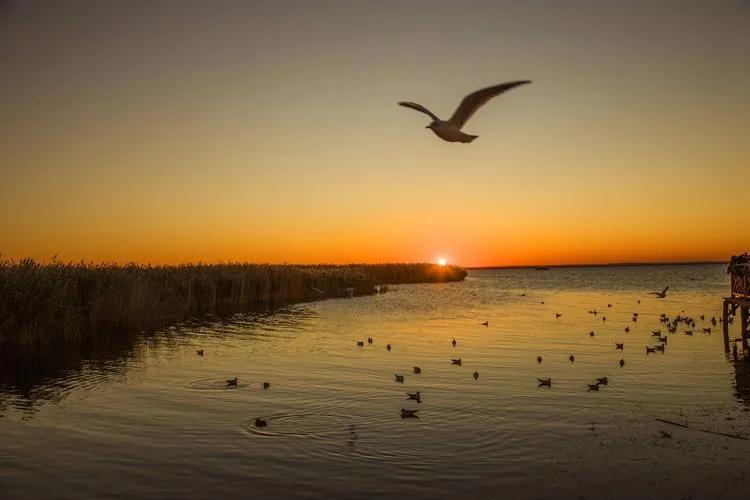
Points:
(269, 131)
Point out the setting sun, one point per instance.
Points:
(442, 261)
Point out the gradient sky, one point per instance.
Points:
(269, 131)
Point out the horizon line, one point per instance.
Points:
(607, 264)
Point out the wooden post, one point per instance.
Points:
(725, 325)
(744, 323)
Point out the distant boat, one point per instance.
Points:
(542, 268)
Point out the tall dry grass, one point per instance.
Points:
(43, 305)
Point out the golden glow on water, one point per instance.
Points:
(332, 405)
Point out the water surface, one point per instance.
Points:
(154, 419)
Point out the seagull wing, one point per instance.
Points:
(476, 100)
(420, 108)
(664, 292)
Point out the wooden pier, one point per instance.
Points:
(739, 300)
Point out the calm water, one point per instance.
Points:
(156, 420)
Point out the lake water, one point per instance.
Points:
(156, 420)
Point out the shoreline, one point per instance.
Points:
(43, 306)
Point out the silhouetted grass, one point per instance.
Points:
(43, 305)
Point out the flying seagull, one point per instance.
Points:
(450, 130)
(660, 295)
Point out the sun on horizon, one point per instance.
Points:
(442, 261)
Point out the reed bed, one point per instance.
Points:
(43, 305)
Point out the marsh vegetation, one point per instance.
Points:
(47, 304)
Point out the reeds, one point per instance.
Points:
(43, 305)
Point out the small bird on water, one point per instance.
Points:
(360, 343)
(417, 370)
(199, 352)
(399, 378)
(476, 375)
(545, 382)
(232, 382)
(369, 340)
(266, 385)
(572, 358)
(450, 130)
(388, 347)
(259, 422)
(619, 345)
(453, 342)
(593, 387)
(416, 396)
(486, 323)
(602, 381)
(408, 413)
(622, 362)
(456, 361)
(538, 359)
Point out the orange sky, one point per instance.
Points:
(269, 131)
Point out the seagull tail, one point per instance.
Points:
(469, 138)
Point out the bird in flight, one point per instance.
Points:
(660, 295)
(450, 130)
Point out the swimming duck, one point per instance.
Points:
(417, 370)
(399, 378)
(360, 343)
(604, 318)
(602, 381)
(476, 375)
(609, 305)
(627, 329)
(571, 358)
(557, 315)
(416, 396)
(453, 342)
(591, 333)
(388, 347)
(199, 352)
(486, 323)
(259, 422)
(266, 385)
(703, 317)
(538, 359)
(456, 361)
(649, 350)
(593, 387)
(619, 345)
(369, 340)
(232, 382)
(622, 362)
(408, 413)
(545, 382)
(707, 330)
(663, 340)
